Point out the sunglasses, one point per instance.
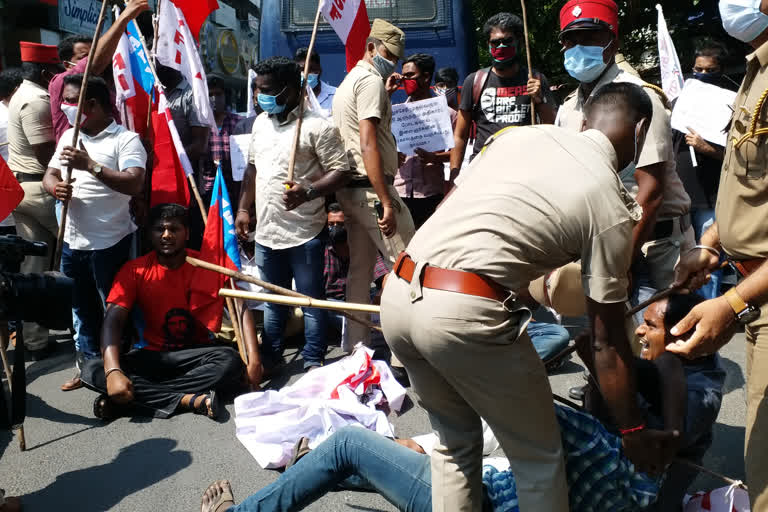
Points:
(507, 41)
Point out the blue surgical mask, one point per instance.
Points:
(312, 80)
(585, 63)
(269, 103)
(742, 19)
(385, 67)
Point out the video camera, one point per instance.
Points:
(44, 298)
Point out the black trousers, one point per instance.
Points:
(161, 379)
(422, 208)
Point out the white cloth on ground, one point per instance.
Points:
(269, 423)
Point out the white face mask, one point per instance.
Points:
(70, 110)
(743, 19)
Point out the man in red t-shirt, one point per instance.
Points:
(179, 369)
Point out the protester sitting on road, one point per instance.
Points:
(656, 369)
(107, 169)
(179, 369)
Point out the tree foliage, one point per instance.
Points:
(689, 21)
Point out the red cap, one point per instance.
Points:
(589, 15)
(40, 53)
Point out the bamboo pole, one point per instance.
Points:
(302, 96)
(76, 133)
(267, 286)
(528, 56)
(307, 302)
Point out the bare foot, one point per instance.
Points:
(218, 497)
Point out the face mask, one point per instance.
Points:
(410, 85)
(337, 234)
(70, 110)
(312, 80)
(585, 63)
(708, 78)
(742, 19)
(385, 67)
(503, 55)
(218, 103)
(269, 103)
(627, 175)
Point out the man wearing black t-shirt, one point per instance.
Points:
(505, 98)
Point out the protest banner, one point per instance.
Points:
(424, 124)
(706, 109)
(238, 152)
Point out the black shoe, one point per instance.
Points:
(401, 376)
(577, 392)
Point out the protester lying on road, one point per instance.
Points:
(178, 369)
(692, 409)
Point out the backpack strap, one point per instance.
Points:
(478, 84)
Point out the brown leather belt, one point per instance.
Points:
(448, 280)
(747, 267)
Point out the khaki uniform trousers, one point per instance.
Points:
(467, 358)
(663, 254)
(756, 436)
(35, 219)
(365, 239)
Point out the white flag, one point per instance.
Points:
(672, 80)
(251, 78)
(162, 106)
(176, 48)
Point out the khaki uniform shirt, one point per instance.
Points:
(536, 199)
(658, 143)
(29, 124)
(360, 96)
(742, 200)
(320, 151)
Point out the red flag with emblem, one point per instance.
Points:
(11, 192)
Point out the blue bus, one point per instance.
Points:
(441, 28)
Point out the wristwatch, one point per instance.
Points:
(97, 170)
(745, 313)
(311, 193)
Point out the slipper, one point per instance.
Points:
(209, 407)
(73, 383)
(105, 409)
(300, 449)
(218, 497)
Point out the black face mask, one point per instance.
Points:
(452, 97)
(338, 234)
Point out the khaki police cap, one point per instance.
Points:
(391, 36)
(561, 290)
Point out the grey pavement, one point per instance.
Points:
(74, 462)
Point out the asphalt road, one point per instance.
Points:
(74, 462)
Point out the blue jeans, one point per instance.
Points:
(93, 273)
(304, 263)
(548, 339)
(702, 220)
(356, 458)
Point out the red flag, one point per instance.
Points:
(11, 192)
(196, 12)
(349, 20)
(169, 183)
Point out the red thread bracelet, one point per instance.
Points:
(633, 429)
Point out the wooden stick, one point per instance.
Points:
(4, 341)
(528, 56)
(76, 132)
(307, 302)
(268, 286)
(302, 96)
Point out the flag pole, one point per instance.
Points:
(307, 302)
(76, 133)
(303, 94)
(528, 56)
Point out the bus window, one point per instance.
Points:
(302, 12)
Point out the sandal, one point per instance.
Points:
(209, 405)
(218, 497)
(105, 409)
(300, 449)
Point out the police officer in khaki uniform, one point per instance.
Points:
(741, 231)
(449, 313)
(363, 113)
(589, 34)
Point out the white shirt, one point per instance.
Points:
(8, 221)
(325, 98)
(99, 217)
(320, 151)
